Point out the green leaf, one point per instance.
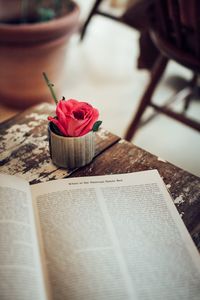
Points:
(46, 14)
(96, 125)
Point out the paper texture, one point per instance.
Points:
(20, 270)
(116, 237)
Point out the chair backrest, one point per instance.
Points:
(175, 29)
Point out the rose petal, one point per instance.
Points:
(89, 125)
(86, 125)
(75, 118)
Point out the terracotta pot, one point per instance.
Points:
(27, 50)
(71, 152)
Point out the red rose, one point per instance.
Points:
(74, 118)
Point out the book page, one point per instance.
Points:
(116, 237)
(20, 269)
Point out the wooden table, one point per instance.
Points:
(24, 151)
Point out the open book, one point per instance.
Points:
(115, 237)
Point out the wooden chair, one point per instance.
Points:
(134, 16)
(131, 16)
(174, 26)
(95, 10)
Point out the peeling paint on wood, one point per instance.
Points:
(24, 148)
(161, 159)
(179, 200)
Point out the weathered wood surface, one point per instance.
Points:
(184, 188)
(24, 148)
(24, 151)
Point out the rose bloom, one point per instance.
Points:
(74, 118)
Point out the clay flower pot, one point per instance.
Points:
(71, 152)
(26, 50)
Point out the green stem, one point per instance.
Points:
(50, 85)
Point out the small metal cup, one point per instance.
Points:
(71, 152)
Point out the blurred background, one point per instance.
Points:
(102, 70)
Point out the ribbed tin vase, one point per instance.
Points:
(71, 152)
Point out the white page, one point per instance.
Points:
(116, 237)
(20, 268)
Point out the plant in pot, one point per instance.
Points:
(33, 38)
